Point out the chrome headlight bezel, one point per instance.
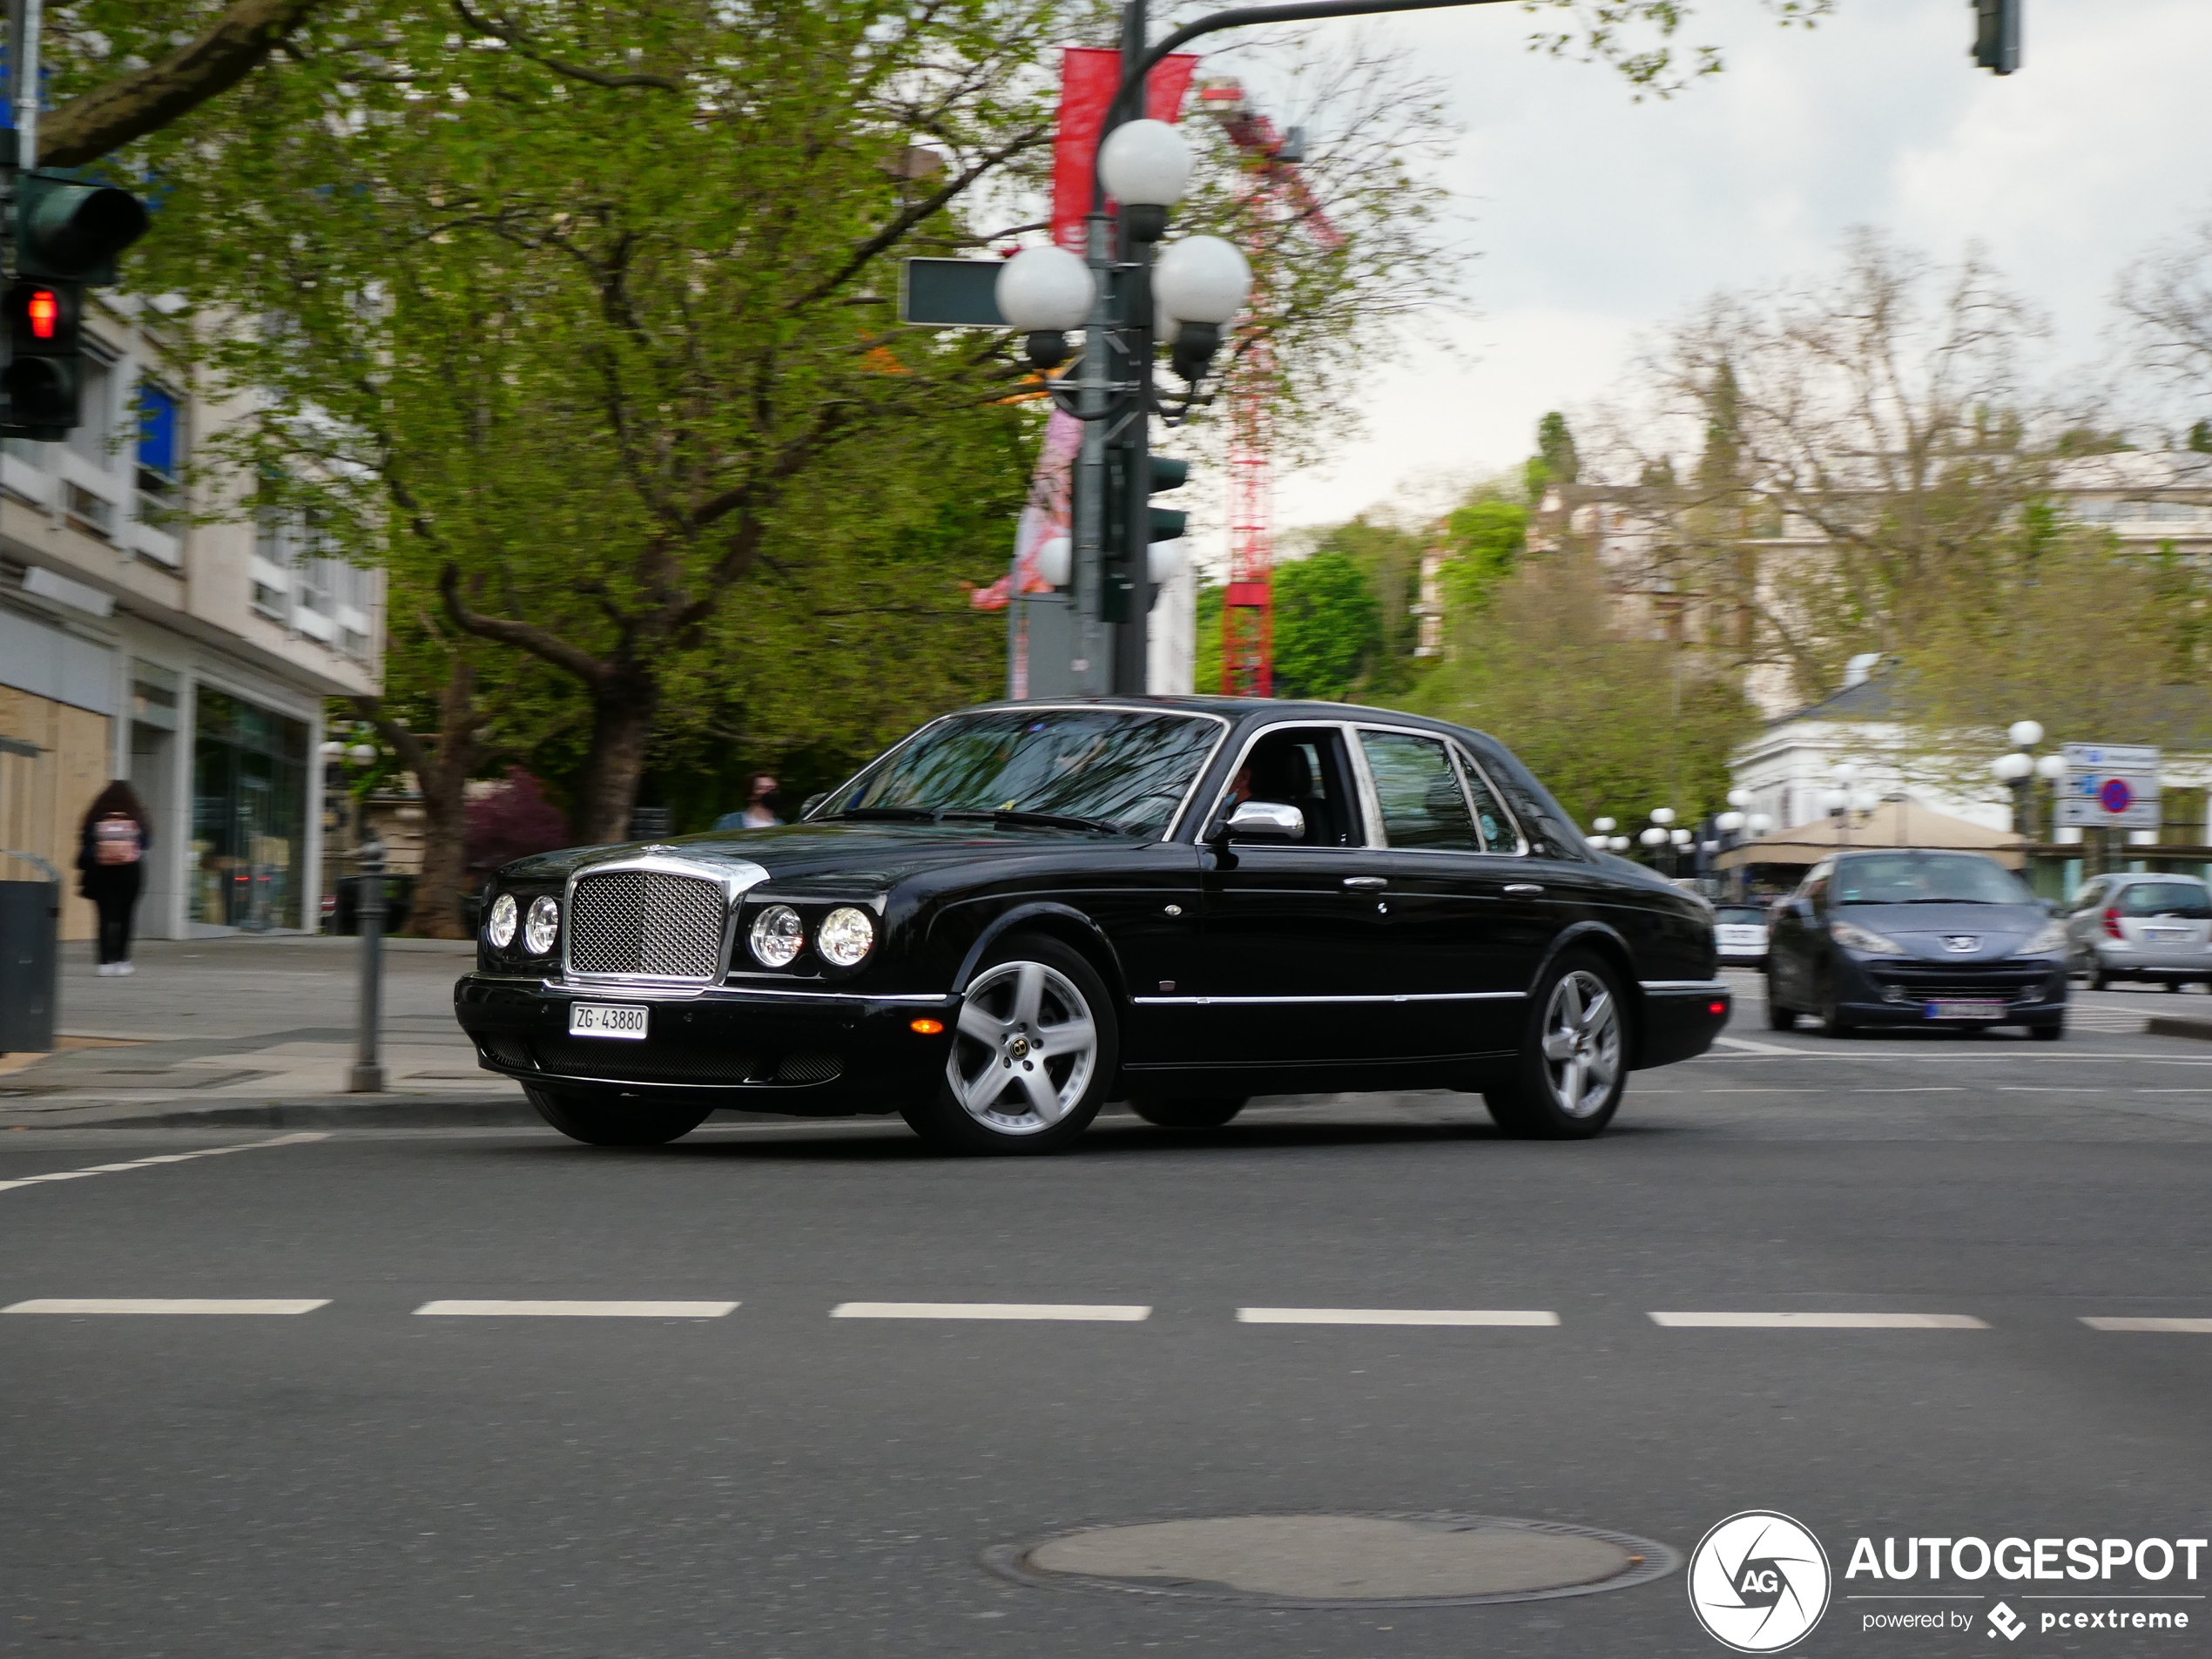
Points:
(1865, 941)
(500, 922)
(2049, 939)
(777, 937)
(543, 924)
(846, 936)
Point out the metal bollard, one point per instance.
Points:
(368, 1070)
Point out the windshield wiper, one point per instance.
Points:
(905, 814)
(1037, 820)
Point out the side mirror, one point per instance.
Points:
(1265, 820)
(806, 807)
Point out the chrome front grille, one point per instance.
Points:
(646, 923)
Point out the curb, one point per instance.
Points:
(494, 1113)
(2167, 1025)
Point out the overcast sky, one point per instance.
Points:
(1597, 218)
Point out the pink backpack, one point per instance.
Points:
(115, 840)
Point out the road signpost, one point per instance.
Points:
(2109, 785)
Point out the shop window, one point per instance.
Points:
(249, 814)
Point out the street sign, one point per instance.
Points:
(951, 294)
(2109, 785)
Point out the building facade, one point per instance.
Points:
(140, 640)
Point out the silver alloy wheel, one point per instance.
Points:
(1025, 1048)
(1582, 1043)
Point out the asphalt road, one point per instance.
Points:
(361, 1479)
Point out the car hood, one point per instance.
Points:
(834, 858)
(1997, 929)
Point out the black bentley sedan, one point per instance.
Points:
(1026, 910)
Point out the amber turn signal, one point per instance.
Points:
(925, 1028)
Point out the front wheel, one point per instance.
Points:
(1186, 1112)
(1573, 1061)
(2046, 1033)
(1034, 1053)
(608, 1120)
(1777, 1017)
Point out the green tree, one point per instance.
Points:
(1555, 460)
(1327, 626)
(1611, 724)
(1484, 541)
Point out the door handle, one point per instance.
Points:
(1519, 887)
(1366, 881)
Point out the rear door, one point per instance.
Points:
(1466, 922)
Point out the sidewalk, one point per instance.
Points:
(256, 1029)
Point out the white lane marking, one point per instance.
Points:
(168, 1305)
(2097, 1322)
(451, 1308)
(1396, 1316)
(1744, 1045)
(987, 1311)
(165, 1158)
(1819, 1321)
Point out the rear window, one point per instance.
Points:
(1739, 913)
(2164, 898)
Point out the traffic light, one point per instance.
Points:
(42, 378)
(1166, 524)
(1124, 572)
(1996, 35)
(66, 234)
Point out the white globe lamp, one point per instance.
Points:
(1202, 279)
(2024, 734)
(1145, 163)
(1739, 797)
(1759, 823)
(1681, 837)
(1055, 561)
(2051, 767)
(361, 754)
(2010, 769)
(1044, 292)
(1619, 844)
(1654, 837)
(1731, 821)
(1602, 825)
(1662, 814)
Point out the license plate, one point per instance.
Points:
(2166, 935)
(1958, 1010)
(604, 1020)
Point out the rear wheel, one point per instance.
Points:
(608, 1120)
(1033, 1055)
(1184, 1111)
(1574, 1059)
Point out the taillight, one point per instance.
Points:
(2111, 922)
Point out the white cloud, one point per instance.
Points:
(1598, 217)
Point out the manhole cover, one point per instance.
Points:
(1340, 1560)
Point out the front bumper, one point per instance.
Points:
(1899, 990)
(813, 1053)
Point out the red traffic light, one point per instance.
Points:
(44, 313)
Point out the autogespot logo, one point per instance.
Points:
(1759, 1582)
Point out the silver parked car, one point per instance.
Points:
(2141, 927)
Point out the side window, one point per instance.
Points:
(1418, 792)
(1305, 767)
(1498, 833)
(2091, 896)
(1815, 888)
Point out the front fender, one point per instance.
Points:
(1060, 919)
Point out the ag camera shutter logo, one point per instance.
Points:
(1759, 1582)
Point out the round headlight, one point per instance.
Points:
(545, 921)
(499, 926)
(778, 935)
(846, 936)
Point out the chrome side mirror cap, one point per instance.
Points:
(1265, 820)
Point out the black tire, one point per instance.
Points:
(1185, 1111)
(2099, 980)
(1530, 1104)
(2046, 1033)
(1068, 987)
(1832, 1022)
(1777, 1017)
(609, 1120)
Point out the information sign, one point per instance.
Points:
(2109, 785)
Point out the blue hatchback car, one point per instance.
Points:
(1899, 936)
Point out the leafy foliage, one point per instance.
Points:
(1327, 626)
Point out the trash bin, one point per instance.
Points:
(399, 903)
(30, 918)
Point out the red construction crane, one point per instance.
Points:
(1276, 201)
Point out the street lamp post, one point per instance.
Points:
(368, 1066)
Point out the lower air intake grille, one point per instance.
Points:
(641, 1063)
(507, 1051)
(648, 923)
(808, 1069)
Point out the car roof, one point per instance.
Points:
(1242, 709)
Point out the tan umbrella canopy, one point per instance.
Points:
(1899, 821)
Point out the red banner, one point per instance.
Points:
(1088, 77)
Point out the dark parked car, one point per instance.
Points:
(1900, 937)
(1024, 911)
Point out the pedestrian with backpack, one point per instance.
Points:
(111, 858)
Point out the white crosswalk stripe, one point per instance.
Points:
(168, 1305)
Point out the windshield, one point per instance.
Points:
(2183, 898)
(1104, 769)
(1739, 915)
(1927, 878)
